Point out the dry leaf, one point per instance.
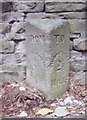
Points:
(83, 93)
(22, 88)
(23, 114)
(60, 111)
(0, 95)
(14, 85)
(44, 111)
(68, 100)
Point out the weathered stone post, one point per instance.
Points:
(47, 48)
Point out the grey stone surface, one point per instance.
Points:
(64, 7)
(71, 45)
(47, 48)
(12, 73)
(77, 27)
(62, 15)
(18, 37)
(75, 54)
(1, 59)
(20, 53)
(80, 44)
(12, 16)
(80, 77)
(72, 15)
(7, 6)
(28, 6)
(6, 47)
(9, 76)
(4, 27)
(2, 36)
(17, 26)
(40, 16)
(77, 61)
(67, 1)
(9, 0)
(7, 59)
(16, 32)
(8, 36)
(14, 36)
(75, 35)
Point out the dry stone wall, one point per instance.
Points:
(14, 14)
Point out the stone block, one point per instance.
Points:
(0, 17)
(12, 73)
(12, 16)
(8, 59)
(62, 15)
(20, 53)
(28, 6)
(47, 47)
(7, 6)
(6, 46)
(8, 36)
(64, 6)
(16, 32)
(80, 77)
(9, 76)
(75, 36)
(1, 59)
(14, 36)
(80, 44)
(36, 16)
(67, 1)
(42, 15)
(17, 26)
(77, 27)
(77, 61)
(18, 37)
(72, 15)
(71, 45)
(4, 28)
(9, 0)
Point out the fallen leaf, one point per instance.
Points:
(53, 104)
(23, 114)
(68, 100)
(60, 111)
(76, 102)
(22, 89)
(83, 93)
(0, 95)
(14, 85)
(44, 111)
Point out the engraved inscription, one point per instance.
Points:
(37, 38)
(59, 38)
(57, 59)
(57, 81)
(41, 38)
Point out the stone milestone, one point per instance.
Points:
(47, 48)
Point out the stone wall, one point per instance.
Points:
(14, 14)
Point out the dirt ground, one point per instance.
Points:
(17, 99)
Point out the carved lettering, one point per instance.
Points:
(59, 38)
(37, 38)
(59, 65)
(57, 81)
